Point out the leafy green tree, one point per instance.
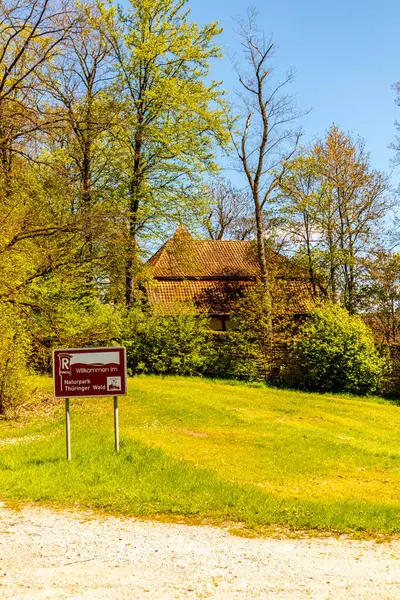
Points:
(335, 204)
(67, 319)
(172, 115)
(358, 202)
(302, 192)
(76, 143)
(32, 32)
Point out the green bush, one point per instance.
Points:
(336, 353)
(161, 344)
(220, 357)
(14, 351)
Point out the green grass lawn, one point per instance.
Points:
(214, 452)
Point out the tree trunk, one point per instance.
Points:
(131, 266)
(311, 273)
(332, 262)
(86, 196)
(264, 277)
(135, 189)
(261, 245)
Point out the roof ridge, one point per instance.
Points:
(182, 230)
(219, 240)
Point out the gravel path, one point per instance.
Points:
(49, 554)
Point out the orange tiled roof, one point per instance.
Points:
(219, 297)
(183, 257)
(212, 274)
(214, 297)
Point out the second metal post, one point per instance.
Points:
(116, 432)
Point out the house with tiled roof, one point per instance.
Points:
(213, 274)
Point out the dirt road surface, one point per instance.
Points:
(76, 555)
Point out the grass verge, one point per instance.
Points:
(214, 452)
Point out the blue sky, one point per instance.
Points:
(346, 55)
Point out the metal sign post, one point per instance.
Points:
(88, 373)
(116, 432)
(68, 428)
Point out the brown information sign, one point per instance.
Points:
(87, 372)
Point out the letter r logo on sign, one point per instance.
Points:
(65, 364)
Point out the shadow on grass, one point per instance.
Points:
(392, 397)
(43, 461)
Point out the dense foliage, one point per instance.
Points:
(336, 353)
(108, 125)
(251, 342)
(160, 344)
(110, 129)
(14, 353)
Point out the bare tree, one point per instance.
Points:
(395, 145)
(265, 139)
(230, 215)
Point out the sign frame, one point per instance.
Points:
(66, 394)
(101, 393)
